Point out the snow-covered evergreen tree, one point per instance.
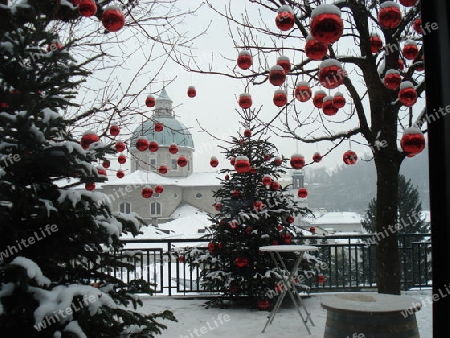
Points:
(254, 210)
(56, 241)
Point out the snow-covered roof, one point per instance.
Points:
(140, 177)
(187, 220)
(341, 217)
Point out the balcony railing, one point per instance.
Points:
(349, 261)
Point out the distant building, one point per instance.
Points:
(335, 222)
(181, 185)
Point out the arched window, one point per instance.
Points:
(125, 207)
(155, 208)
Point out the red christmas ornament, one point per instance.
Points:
(314, 49)
(277, 161)
(326, 24)
(236, 193)
(328, 107)
(331, 74)
(407, 94)
(89, 186)
(279, 227)
(401, 64)
(114, 130)
(120, 146)
(389, 15)
(232, 161)
(302, 193)
(339, 100)
(285, 18)
(234, 225)
(87, 8)
(147, 192)
(287, 238)
(274, 186)
(159, 127)
(320, 278)
(162, 169)
(302, 92)
(120, 174)
(318, 98)
(290, 219)
(122, 159)
(106, 164)
(191, 92)
(247, 133)
(88, 138)
(211, 247)
(182, 161)
(218, 206)
(266, 180)
(392, 79)
(297, 161)
(312, 230)
(417, 26)
(412, 141)
(244, 60)
(245, 101)
(280, 98)
(349, 157)
(142, 144)
(267, 157)
(317, 157)
(242, 164)
(150, 101)
(101, 171)
(159, 189)
(285, 63)
(277, 75)
(181, 259)
(173, 148)
(113, 19)
(375, 43)
(258, 205)
(410, 50)
(214, 162)
(248, 230)
(408, 3)
(153, 146)
(227, 177)
(241, 262)
(54, 46)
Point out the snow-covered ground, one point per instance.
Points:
(196, 321)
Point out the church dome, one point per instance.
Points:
(174, 132)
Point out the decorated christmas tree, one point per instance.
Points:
(57, 234)
(253, 210)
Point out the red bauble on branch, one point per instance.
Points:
(122, 159)
(331, 74)
(407, 94)
(320, 278)
(211, 247)
(247, 133)
(120, 146)
(318, 98)
(106, 164)
(182, 161)
(162, 169)
(245, 101)
(317, 157)
(241, 262)
(401, 64)
(408, 3)
(277, 161)
(314, 49)
(392, 79)
(389, 15)
(302, 91)
(244, 60)
(159, 127)
(349, 157)
(150, 101)
(142, 144)
(277, 75)
(191, 92)
(412, 141)
(101, 171)
(114, 130)
(266, 180)
(113, 19)
(274, 186)
(120, 174)
(312, 230)
(326, 23)
(417, 26)
(328, 107)
(375, 43)
(218, 206)
(87, 8)
(263, 304)
(302, 193)
(233, 161)
(285, 18)
(285, 63)
(339, 100)
(159, 189)
(242, 164)
(297, 161)
(213, 162)
(410, 50)
(173, 148)
(280, 98)
(89, 186)
(88, 138)
(236, 193)
(147, 192)
(153, 146)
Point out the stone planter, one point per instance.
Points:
(370, 315)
